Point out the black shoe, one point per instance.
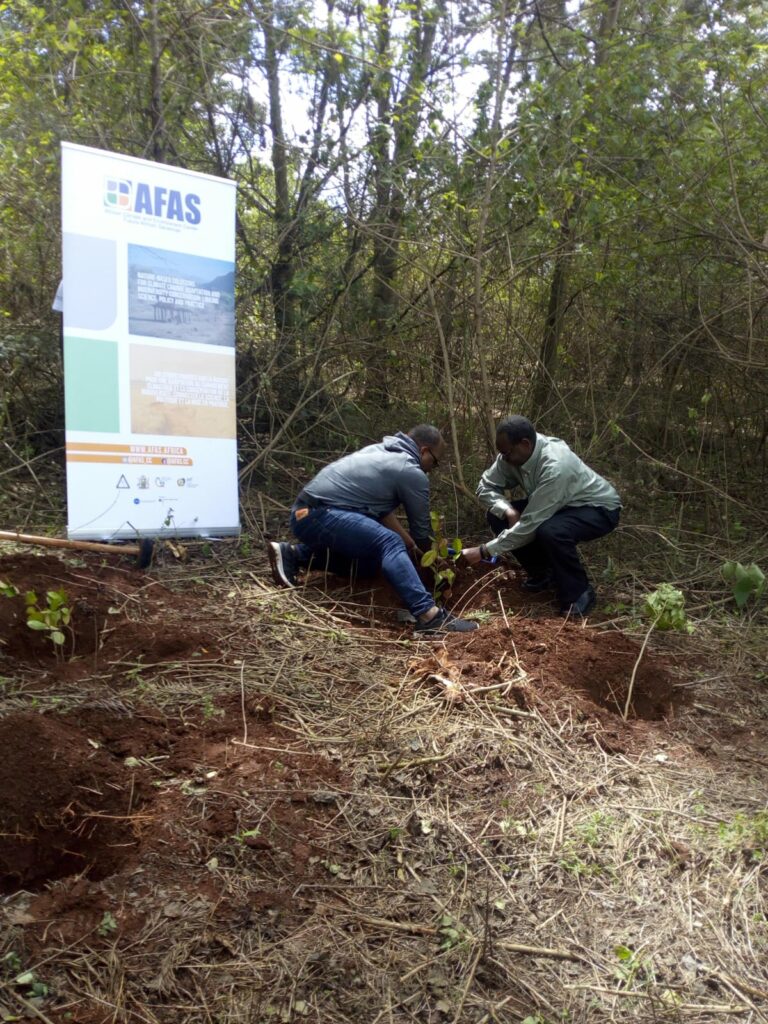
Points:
(582, 606)
(283, 563)
(444, 622)
(536, 584)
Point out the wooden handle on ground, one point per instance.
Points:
(79, 545)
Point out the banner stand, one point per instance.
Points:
(149, 349)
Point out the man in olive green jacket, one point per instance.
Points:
(566, 504)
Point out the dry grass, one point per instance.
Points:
(484, 863)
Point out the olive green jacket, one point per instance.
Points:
(553, 477)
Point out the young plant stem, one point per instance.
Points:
(628, 701)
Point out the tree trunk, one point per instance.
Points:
(391, 160)
(546, 368)
(545, 376)
(282, 273)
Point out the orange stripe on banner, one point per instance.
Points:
(134, 449)
(132, 460)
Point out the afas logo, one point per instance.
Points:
(123, 196)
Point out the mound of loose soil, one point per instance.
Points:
(115, 615)
(475, 588)
(552, 659)
(557, 662)
(66, 805)
(552, 665)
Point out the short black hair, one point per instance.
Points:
(517, 429)
(426, 434)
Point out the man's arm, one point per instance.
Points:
(490, 491)
(474, 555)
(413, 492)
(393, 523)
(550, 494)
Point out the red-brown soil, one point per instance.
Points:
(66, 804)
(115, 616)
(562, 662)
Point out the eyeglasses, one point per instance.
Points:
(434, 457)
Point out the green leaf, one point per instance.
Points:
(429, 557)
(745, 580)
(36, 624)
(728, 571)
(58, 637)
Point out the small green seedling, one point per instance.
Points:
(108, 924)
(51, 618)
(11, 961)
(665, 607)
(440, 551)
(249, 833)
(746, 581)
(28, 980)
(747, 834)
(451, 932)
(8, 589)
(631, 970)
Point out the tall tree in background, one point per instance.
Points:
(398, 83)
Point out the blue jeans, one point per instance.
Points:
(553, 548)
(333, 539)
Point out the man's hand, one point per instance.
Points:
(472, 556)
(513, 516)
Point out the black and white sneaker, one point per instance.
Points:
(283, 563)
(443, 622)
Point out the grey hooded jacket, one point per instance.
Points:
(375, 481)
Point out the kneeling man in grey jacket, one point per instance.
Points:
(345, 517)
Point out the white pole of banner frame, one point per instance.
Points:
(149, 348)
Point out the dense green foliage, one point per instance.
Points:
(447, 211)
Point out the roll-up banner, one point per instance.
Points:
(149, 348)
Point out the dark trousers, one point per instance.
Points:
(553, 548)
